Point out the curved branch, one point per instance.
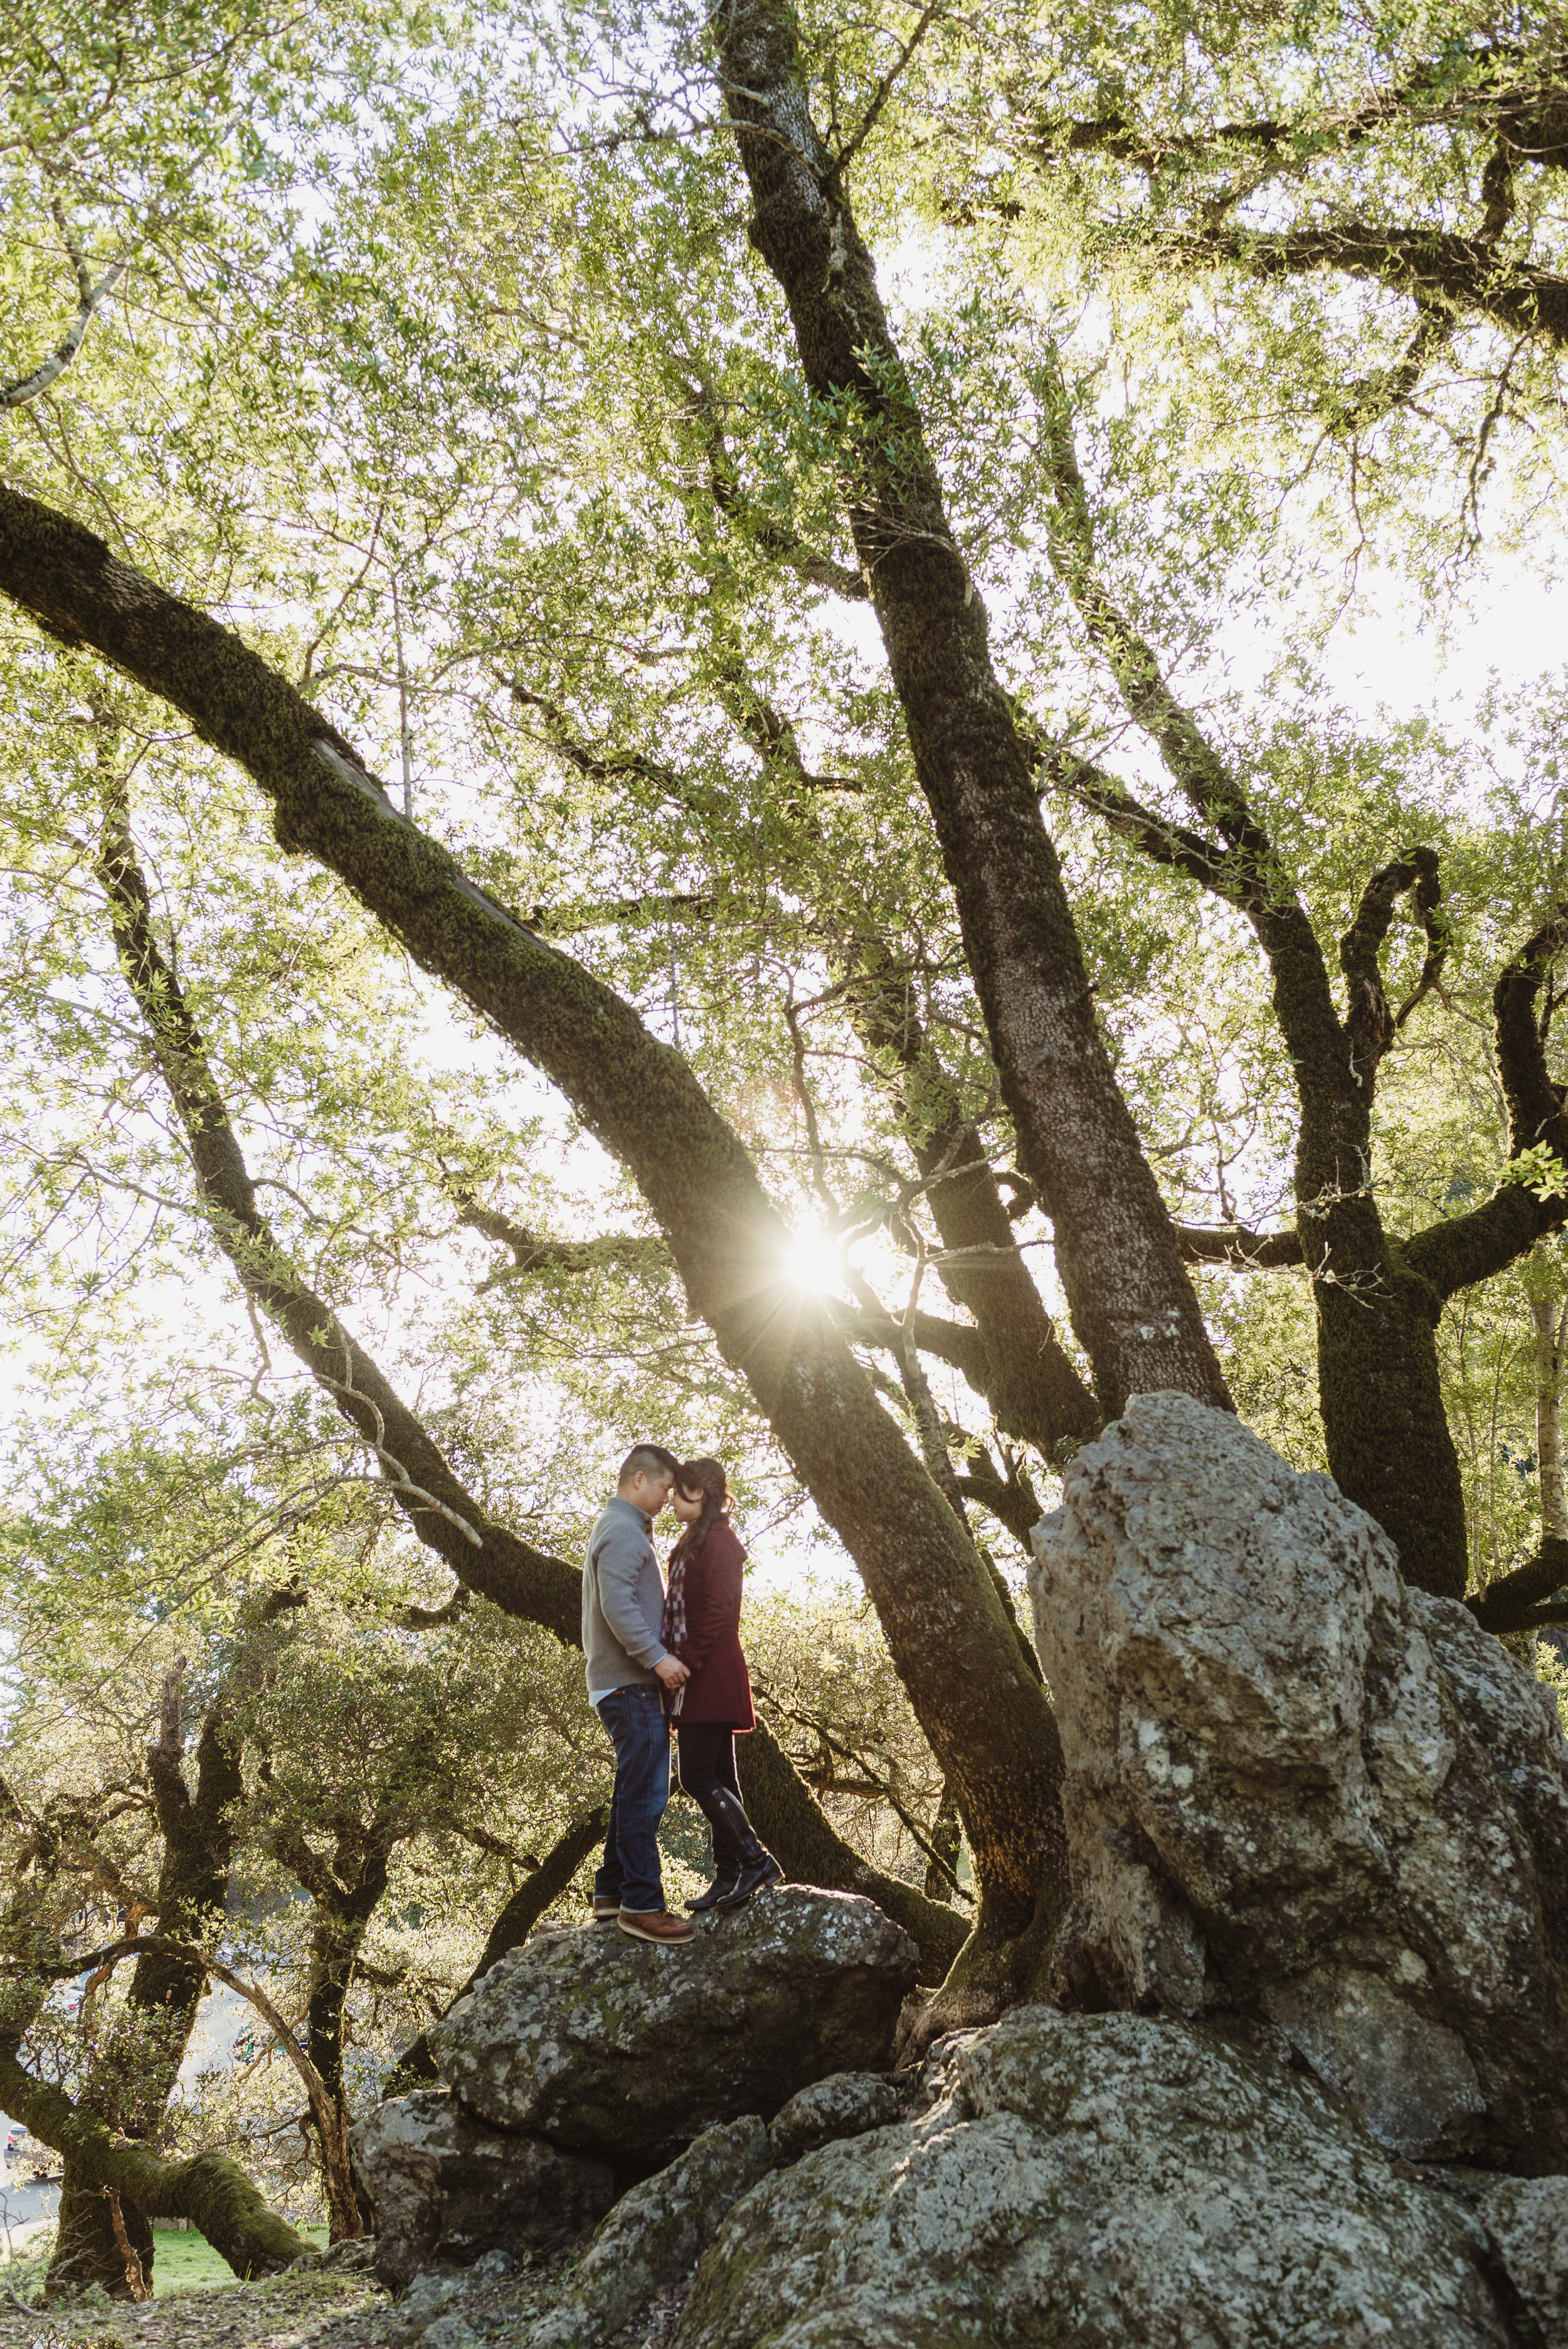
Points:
(1440, 270)
(416, 1472)
(1472, 1247)
(29, 387)
(1368, 1016)
(1515, 1601)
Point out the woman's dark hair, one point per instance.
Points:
(706, 1477)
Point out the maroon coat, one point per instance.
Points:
(720, 1689)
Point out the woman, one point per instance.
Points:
(702, 1627)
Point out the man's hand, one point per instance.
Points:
(671, 1671)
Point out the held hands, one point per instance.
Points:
(673, 1672)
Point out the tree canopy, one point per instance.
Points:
(674, 770)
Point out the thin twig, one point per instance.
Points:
(885, 87)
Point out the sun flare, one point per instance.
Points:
(813, 1260)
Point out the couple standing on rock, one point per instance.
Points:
(655, 1655)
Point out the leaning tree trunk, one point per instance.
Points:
(950, 1637)
(209, 2189)
(1132, 1304)
(129, 2083)
(1030, 1383)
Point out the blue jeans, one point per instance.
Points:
(630, 1872)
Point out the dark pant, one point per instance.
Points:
(709, 1775)
(630, 1871)
(707, 1758)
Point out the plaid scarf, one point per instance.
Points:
(672, 1624)
(673, 1627)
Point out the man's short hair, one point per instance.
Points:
(647, 1460)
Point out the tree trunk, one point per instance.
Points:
(1132, 1304)
(346, 1893)
(129, 2083)
(1550, 1326)
(209, 2190)
(1029, 1380)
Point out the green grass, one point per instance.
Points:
(184, 2261)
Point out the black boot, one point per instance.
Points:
(758, 1864)
(724, 1883)
(729, 1853)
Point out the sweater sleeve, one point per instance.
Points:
(623, 1557)
(713, 1593)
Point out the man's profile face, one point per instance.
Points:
(649, 1494)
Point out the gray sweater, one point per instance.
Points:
(623, 1601)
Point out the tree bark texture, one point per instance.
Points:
(1132, 1304)
(129, 2083)
(209, 2189)
(988, 1724)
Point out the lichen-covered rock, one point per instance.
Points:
(655, 2233)
(612, 2045)
(1527, 2219)
(847, 2105)
(1297, 1788)
(1112, 2181)
(447, 2187)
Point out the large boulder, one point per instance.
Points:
(655, 2233)
(1112, 2181)
(448, 2188)
(610, 2045)
(1298, 1790)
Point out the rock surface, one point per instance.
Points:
(1300, 1790)
(655, 2232)
(1109, 2181)
(609, 2046)
(847, 2105)
(446, 2187)
(1527, 2219)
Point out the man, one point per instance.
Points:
(623, 1610)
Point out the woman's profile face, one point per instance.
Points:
(687, 1506)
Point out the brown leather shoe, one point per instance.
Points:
(655, 1925)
